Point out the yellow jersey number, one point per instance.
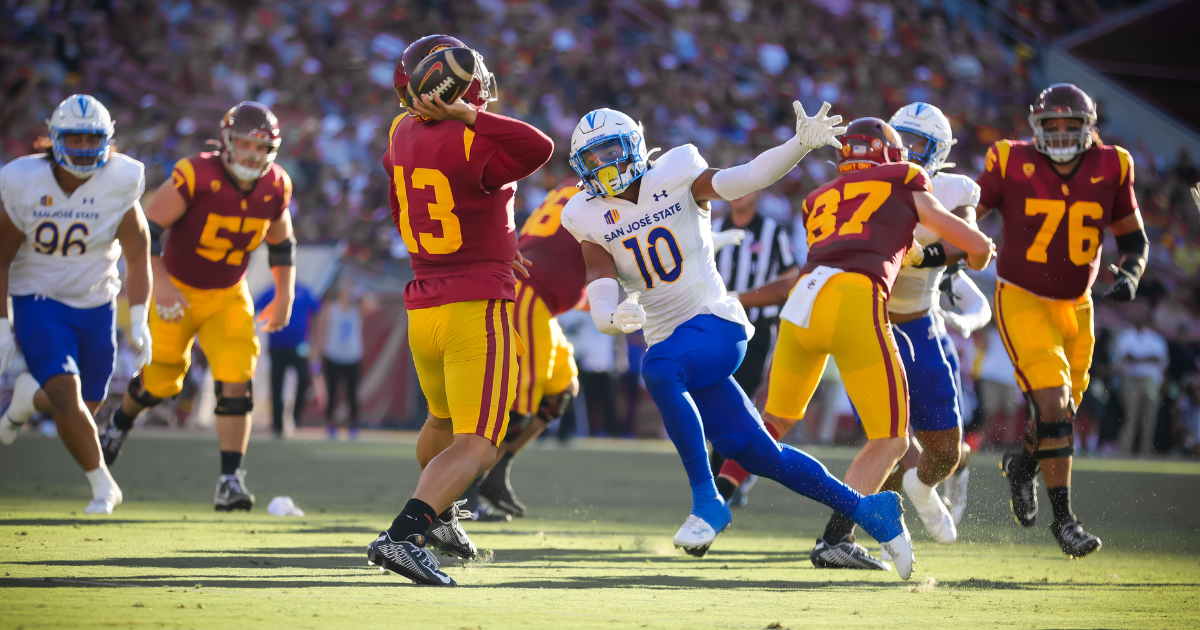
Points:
(1082, 240)
(822, 222)
(546, 220)
(441, 210)
(216, 248)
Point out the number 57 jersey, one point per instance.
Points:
(1054, 225)
(662, 245)
(70, 249)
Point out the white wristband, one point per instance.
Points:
(602, 296)
(5, 326)
(137, 314)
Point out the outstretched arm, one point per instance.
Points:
(770, 165)
(772, 294)
(933, 215)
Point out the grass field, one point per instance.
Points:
(595, 553)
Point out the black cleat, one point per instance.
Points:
(1073, 540)
(1024, 502)
(408, 558)
(449, 537)
(497, 488)
(845, 555)
(484, 514)
(232, 493)
(111, 439)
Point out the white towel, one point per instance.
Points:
(799, 306)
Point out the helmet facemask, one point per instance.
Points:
(1062, 146)
(81, 162)
(610, 164)
(924, 149)
(245, 164)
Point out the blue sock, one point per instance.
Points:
(708, 505)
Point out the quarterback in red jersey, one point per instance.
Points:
(218, 207)
(453, 170)
(546, 375)
(860, 227)
(1056, 195)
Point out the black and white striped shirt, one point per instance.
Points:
(759, 259)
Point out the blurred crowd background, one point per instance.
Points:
(720, 74)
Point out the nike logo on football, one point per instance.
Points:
(1097, 179)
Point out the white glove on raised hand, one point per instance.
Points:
(630, 315)
(139, 333)
(958, 323)
(1196, 195)
(727, 237)
(8, 344)
(819, 130)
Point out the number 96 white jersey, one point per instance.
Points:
(662, 245)
(70, 250)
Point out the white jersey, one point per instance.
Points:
(916, 290)
(662, 245)
(70, 250)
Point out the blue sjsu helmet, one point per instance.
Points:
(81, 114)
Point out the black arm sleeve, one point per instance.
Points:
(283, 253)
(1133, 244)
(156, 232)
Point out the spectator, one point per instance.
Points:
(340, 332)
(288, 348)
(1142, 358)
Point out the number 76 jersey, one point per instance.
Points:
(70, 249)
(1054, 225)
(662, 245)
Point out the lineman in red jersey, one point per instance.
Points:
(453, 175)
(546, 378)
(1056, 195)
(218, 207)
(859, 228)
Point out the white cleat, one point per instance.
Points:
(20, 409)
(105, 505)
(956, 494)
(933, 512)
(695, 536)
(900, 551)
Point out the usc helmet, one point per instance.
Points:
(253, 122)
(483, 88)
(869, 142)
(1062, 100)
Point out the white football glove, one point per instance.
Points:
(727, 237)
(169, 313)
(914, 256)
(630, 315)
(1196, 195)
(139, 333)
(819, 130)
(958, 323)
(8, 344)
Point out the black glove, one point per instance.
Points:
(1125, 288)
(935, 256)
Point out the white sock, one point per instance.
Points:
(914, 485)
(102, 482)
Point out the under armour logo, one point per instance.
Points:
(69, 365)
(658, 197)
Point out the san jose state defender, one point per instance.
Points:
(67, 217)
(643, 223)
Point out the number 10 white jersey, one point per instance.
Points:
(70, 250)
(662, 245)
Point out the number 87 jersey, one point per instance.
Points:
(1054, 225)
(70, 249)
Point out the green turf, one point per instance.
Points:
(598, 553)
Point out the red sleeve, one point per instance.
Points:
(991, 189)
(1126, 202)
(522, 149)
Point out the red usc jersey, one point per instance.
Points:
(558, 273)
(452, 200)
(863, 221)
(208, 246)
(1054, 225)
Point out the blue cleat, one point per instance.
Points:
(882, 516)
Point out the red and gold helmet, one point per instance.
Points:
(1062, 100)
(869, 142)
(483, 87)
(252, 122)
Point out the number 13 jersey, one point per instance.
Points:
(662, 245)
(1054, 225)
(70, 249)
(209, 246)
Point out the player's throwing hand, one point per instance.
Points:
(437, 109)
(630, 315)
(817, 131)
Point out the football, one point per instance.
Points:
(447, 72)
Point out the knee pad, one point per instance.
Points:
(549, 412)
(139, 394)
(234, 406)
(1051, 430)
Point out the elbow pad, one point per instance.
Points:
(602, 296)
(283, 253)
(156, 232)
